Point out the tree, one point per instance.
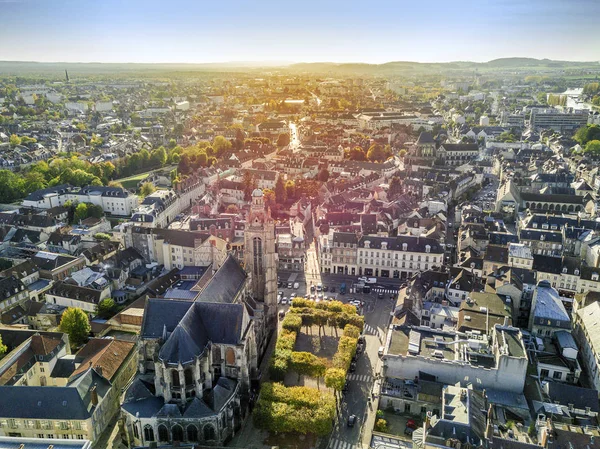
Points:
(395, 187)
(378, 153)
(323, 175)
(587, 133)
(232, 209)
(290, 189)
(248, 185)
(592, 148)
(34, 181)
(81, 212)
(283, 140)
(106, 308)
(75, 324)
(158, 157)
(101, 236)
(3, 348)
(269, 198)
(14, 140)
(355, 154)
(147, 189)
(221, 145)
(402, 153)
(280, 193)
(115, 184)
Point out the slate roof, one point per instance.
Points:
(224, 286)
(414, 244)
(162, 314)
(10, 286)
(203, 322)
(64, 290)
(56, 403)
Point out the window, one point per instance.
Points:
(209, 433)
(175, 378)
(148, 433)
(192, 433)
(177, 431)
(557, 375)
(406, 407)
(163, 433)
(136, 432)
(258, 256)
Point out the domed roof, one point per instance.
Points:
(257, 193)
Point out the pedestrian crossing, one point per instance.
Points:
(335, 443)
(359, 377)
(370, 330)
(385, 291)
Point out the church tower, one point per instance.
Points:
(260, 258)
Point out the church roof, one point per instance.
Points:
(203, 323)
(224, 286)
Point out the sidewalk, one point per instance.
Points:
(371, 412)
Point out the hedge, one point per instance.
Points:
(294, 409)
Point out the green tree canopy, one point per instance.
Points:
(592, 148)
(3, 348)
(147, 189)
(107, 308)
(75, 324)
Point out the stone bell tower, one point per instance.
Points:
(260, 258)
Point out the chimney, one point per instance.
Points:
(505, 321)
(94, 395)
(98, 369)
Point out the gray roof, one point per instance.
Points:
(224, 286)
(203, 323)
(162, 314)
(548, 305)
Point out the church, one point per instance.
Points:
(198, 358)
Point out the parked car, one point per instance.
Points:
(284, 300)
(361, 339)
(332, 289)
(380, 296)
(351, 420)
(325, 288)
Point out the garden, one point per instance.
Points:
(308, 368)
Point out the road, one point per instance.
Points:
(294, 138)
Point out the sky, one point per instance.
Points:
(374, 31)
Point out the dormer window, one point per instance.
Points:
(545, 226)
(427, 248)
(405, 247)
(367, 244)
(534, 225)
(576, 272)
(384, 245)
(595, 276)
(564, 270)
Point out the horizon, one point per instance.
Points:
(273, 63)
(186, 32)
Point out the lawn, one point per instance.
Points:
(133, 181)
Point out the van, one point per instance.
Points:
(296, 286)
(380, 352)
(362, 279)
(371, 280)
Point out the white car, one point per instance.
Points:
(284, 300)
